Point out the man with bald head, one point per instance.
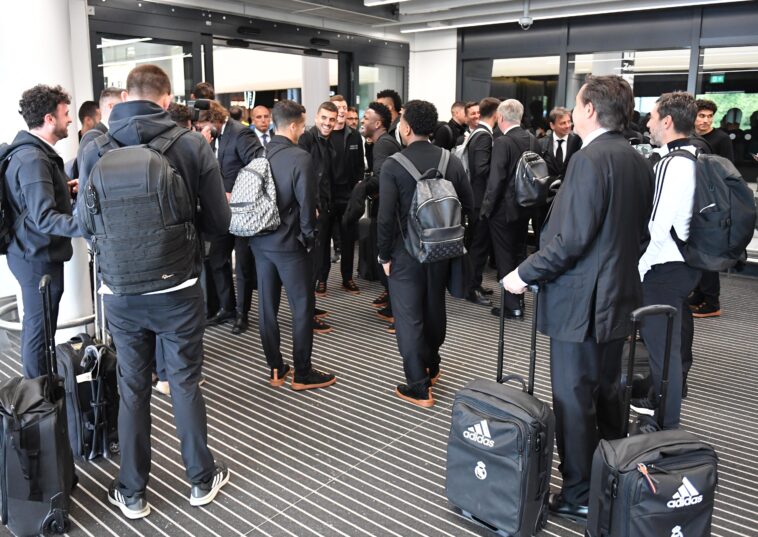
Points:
(261, 124)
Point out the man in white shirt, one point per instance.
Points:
(262, 124)
(666, 279)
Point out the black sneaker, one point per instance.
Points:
(312, 379)
(204, 493)
(644, 406)
(706, 310)
(278, 376)
(318, 312)
(133, 507)
(320, 288)
(351, 288)
(486, 290)
(320, 327)
(382, 300)
(420, 397)
(386, 314)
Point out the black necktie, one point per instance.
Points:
(559, 151)
(265, 140)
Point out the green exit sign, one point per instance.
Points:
(718, 79)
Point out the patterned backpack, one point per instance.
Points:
(253, 201)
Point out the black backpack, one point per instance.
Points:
(7, 222)
(435, 231)
(532, 180)
(723, 214)
(140, 214)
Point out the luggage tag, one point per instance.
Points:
(84, 377)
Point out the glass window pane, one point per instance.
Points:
(121, 54)
(533, 81)
(374, 78)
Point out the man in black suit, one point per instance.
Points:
(556, 149)
(479, 154)
(282, 255)
(509, 223)
(316, 142)
(587, 263)
(418, 290)
(235, 146)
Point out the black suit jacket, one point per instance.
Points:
(292, 168)
(322, 153)
(479, 151)
(547, 150)
(500, 195)
(592, 242)
(237, 146)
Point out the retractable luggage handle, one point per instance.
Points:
(637, 316)
(528, 387)
(47, 308)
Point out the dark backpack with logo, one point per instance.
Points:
(532, 179)
(435, 225)
(723, 214)
(140, 214)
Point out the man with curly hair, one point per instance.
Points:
(38, 196)
(417, 290)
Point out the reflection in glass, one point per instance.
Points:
(374, 78)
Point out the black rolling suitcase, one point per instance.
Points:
(500, 450)
(660, 484)
(88, 367)
(36, 465)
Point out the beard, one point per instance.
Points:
(61, 131)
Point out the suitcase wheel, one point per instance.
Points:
(114, 448)
(57, 522)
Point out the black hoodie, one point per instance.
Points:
(36, 183)
(138, 122)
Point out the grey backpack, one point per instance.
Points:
(253, 202)
(435, 230)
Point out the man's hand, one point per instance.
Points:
(387, 266)
(73, 186)
(514, 284)
(228, 197)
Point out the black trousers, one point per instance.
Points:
(509, 242)
(668, 283)
(28, 274)
(346, 242)
(174, 321)
(710, 288)
(293, 270)
(418, 305)
(587, 402)
(479, 249)
(220, 261)
(322, 250)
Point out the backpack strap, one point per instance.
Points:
(444, 160)
(407, 165)
(105, 143)
(166, 139)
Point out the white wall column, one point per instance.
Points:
(315, 85)
(432, 69)
(47, 42)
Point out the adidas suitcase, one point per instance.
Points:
(36, 466)
(660, 484)
(500, 450)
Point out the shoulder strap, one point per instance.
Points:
(407, 165)
(681, 153)
(166, 139)
(444, 160)
(105, 143)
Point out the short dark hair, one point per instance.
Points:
(383, 112)
(88, 109)
(179, 113)
(421, 116)
(469, 105)
(681, 106)
(148, 81)
(397, 102)
(352, 109)
(705, 104)
(204, 90)
(557, 113)
(329, 106)
(287, 112)
(457, 104)
(235, 112)
(488, 107)
(110, 93)
(612, 98)
(39, 101)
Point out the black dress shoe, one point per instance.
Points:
(559, 507)
(509, 314)
(486, 290)
(240, 325)
(221, 316)
(477, 297)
